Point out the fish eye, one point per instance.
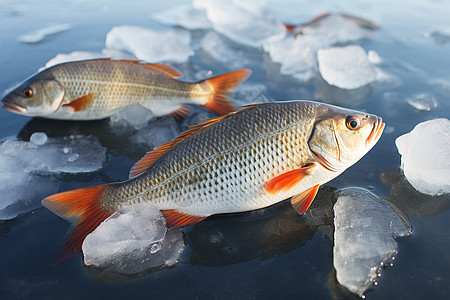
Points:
(27, 92)
(353, 123)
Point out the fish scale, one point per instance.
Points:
(243, 161)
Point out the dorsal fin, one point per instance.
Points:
(153, 156)
(166, 69)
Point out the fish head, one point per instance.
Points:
(340, 137)
(34, 97)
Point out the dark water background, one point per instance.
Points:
(272, 253)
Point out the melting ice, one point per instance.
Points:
(346, 67)
(25, 167)
(365, 228)
(132, 240)
(425, 155)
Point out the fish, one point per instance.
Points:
(246, 160)
(298, 30)
(99, 88)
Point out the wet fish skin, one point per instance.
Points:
(99, 88)
(244, 161)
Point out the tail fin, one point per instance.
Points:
(222, 85)
(83, 209)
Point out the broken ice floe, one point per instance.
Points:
(40, 34)
(423, 102)
(425, 152)
(346, 67)
(185, 16)
(364, 237)
(25, 167)
(160, 131)
(243, 26)
(151, 45)
(132, 240)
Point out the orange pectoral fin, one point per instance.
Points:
(174, 218)
(301, 202)
(288, 180)
(82, 103)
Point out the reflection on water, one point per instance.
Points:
(334, 95)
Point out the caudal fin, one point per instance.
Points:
(222, 85)
(83, 209)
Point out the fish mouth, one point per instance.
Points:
(14, 107)
(376, 132)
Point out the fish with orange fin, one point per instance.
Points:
(98, 88)
(243, 161)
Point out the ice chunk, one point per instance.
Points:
(242, 26)
(158, 132)
(251, 94)
(151, 45)
(423, 102)
(132, 240)
(135, 116)
(296, 56)
(346, 67)
(221, 50)
(425, 152)
(24, 166)
(40, 34)
(184, 16)
(364, 230)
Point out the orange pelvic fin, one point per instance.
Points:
(166, 69)
(181, 112)
(174, 218)
(289, 27)
(288, 180)
(302, 201)
(82, 103)
(83, 209)
(222, 85)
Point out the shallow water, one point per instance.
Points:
(264, 254)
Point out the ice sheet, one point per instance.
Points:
(346, 67)
(25, 167)
(39, 35)
(365, 227)
(132, 240)
(425, 152)
(151, 45)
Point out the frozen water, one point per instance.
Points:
(296, 56)
(69, 155)
(158, 132)
(423, 102)
(242, 26)
(151, 45)
(346, 67)
(135, 116)
(24, 166)
(251, 94)
(364, 230)
(184, 16)
(425, 152)
(132, 240)
(40, 34)
(221, 50)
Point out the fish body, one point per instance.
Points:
(99, 88)
(243, 161)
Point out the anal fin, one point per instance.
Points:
(175, 218)
(302, 201)
(181, 112)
